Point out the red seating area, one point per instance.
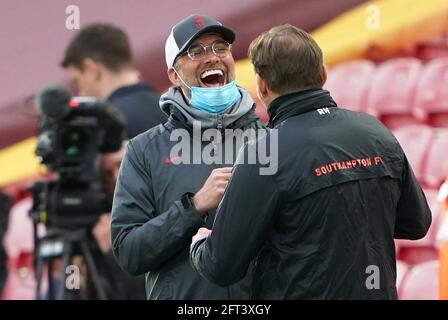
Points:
(431, 100)
(415, 140)
(392, 91)
(420, 282)
(436, 169)
(410, 96)
(349, 84)
(400, 91)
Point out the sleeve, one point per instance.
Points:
(143, 239)
(413, 214)
(240, 228)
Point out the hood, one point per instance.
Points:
(174, 105)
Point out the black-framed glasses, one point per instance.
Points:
(220, 48)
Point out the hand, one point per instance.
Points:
(101, 232)
(201, 234)
(211, 193)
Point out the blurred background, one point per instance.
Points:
(388, 58)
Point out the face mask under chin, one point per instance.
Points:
(215, 100)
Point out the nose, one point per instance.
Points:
(210, 55)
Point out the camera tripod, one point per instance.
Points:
(65, 245)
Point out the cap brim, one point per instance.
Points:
(227, 34)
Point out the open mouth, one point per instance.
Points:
(212, 78)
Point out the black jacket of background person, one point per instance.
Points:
(152, 224)
(343, 191)
(139, 104)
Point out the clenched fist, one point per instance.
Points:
(201, 234)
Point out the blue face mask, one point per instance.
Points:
(215, 100)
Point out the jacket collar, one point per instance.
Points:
(181, 114)
(297, 103)
(130, 89)
(177, 120)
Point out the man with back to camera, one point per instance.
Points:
(158, 200)
(323, 225)
(99, 59)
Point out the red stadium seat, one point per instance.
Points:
(442, 232)
(433, 48)
(432, 93)
(20, 284)
(349, 82)
(439, 120)
(436, 170)
(392, 93)
(422, 282)
(417, 255)
(415, 141)
(19, 236)
(402, 272)
(19, 247)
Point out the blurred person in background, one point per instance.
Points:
(99, 60)
(157, 203)
(323, 225)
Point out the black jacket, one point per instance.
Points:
(151, 225)
(139, 104)
(342, 192)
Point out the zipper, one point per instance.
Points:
(219, 122)
(219, 127)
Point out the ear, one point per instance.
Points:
(262, 89)
(173, 76)
(324, 75)
(92, 68)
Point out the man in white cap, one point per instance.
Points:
(162, 198)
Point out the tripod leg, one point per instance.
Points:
(39, 264)
(51, 289)
(66, 261)
(92, 270)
